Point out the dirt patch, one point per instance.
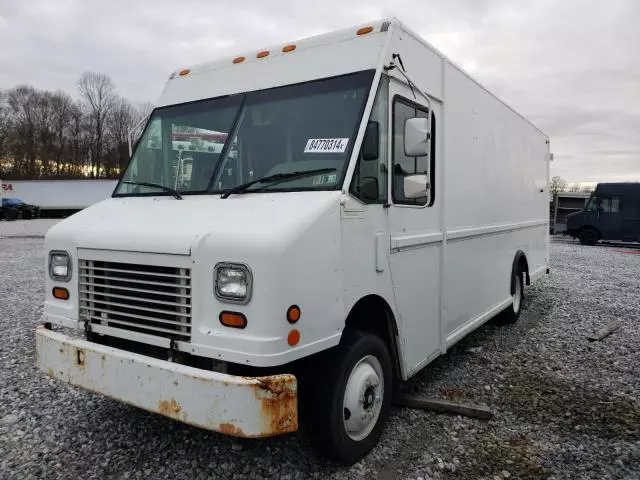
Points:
(569, 406)
(493, 454)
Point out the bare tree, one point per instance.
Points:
(23, 102)
(5, 128)
(557, 185)
(574, 187)
(122, 119)
(98, 92)
(61, 129)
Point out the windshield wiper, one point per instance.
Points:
(275, 178)
(172, 191)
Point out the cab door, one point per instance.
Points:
(415, 233)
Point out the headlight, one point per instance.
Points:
(233, 282)
(60, 266)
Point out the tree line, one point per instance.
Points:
(50, 135)
(559, 185)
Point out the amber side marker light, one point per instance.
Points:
(239, 60)
(263, 53)
(184, 72)
(288, 48)
(61, 293)
(293, 338)
(233, 319)
(293, 314)
(364, 30)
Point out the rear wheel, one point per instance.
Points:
(347, 399)
(588, 236)
(512, 313)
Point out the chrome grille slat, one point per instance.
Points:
(140, 290)
(97, 307)
(127, 297)
(120, 270)
(150, 299)
(131, 280)
(135, 325)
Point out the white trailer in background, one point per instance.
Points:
(61, 195)
(371, 205)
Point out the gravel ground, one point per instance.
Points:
(565, 408)
(26, 228)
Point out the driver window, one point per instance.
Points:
(369, 183)
(403, 165)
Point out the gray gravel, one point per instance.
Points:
(565, 408)
(26, 228)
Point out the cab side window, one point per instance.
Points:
(404, 165)
(369, 184)
(609, 205)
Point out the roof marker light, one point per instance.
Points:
(184, 72)
(239, 60)
(288, 48)
(364, 30)
(263, 53)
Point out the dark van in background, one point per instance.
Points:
(612, 213)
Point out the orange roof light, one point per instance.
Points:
(184, 72)
(293, 338)
(364, 30)
(293, 314)
(239, 60)
(288, 48)
(61, 293)
(263, 53)
(233, 319)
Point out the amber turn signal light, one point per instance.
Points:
(61, 293)
(293, 338)
(363, 30)
(233, 319)
(293, 314)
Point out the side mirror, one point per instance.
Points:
(416, 186)
(416, 137)
(369, 189)
(371, 141)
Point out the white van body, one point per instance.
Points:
(433, 271)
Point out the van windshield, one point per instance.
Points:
(215, 145)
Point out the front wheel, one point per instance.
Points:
(348, 398)
(589, 236)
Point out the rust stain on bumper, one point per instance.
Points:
(169, 408)
(279, 404)
(230, 429)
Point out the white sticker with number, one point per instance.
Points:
(326, 145)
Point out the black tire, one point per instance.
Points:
(323, 409)
(12, 214)
(513, 311)
(26, 215)
(589, 236)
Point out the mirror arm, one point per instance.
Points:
(420, 91)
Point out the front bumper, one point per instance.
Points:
(238, 406)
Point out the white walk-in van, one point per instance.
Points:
(298, 229)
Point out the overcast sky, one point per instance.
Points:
(570, 66)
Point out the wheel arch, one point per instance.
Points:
(520, 263)
(373, 313)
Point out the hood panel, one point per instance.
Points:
(170, 226)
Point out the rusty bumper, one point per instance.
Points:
(238, 406)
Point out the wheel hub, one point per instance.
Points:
(517, 296)
(363, 398)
